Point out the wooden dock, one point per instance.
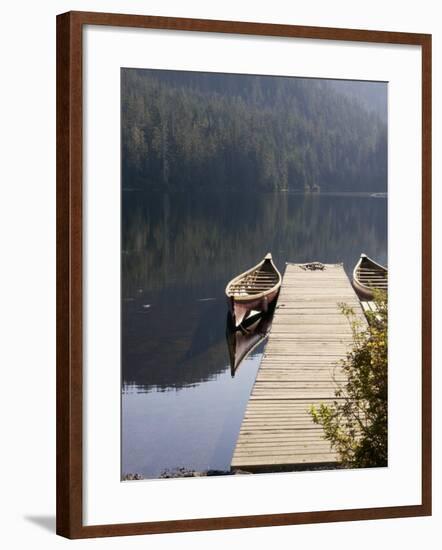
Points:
(309, 335)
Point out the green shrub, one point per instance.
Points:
(357, 423)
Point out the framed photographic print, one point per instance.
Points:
(243, 274)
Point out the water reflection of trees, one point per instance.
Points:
(169, 241)
(178, 249)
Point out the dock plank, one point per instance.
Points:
(309, 337)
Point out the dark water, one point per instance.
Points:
(180, 405)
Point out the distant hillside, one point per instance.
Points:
(371, 95)
(219, 131)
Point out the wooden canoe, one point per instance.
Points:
(253, 290)
(367, 276)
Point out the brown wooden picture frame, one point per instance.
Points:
(70, 269)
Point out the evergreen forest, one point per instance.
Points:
(210, 131)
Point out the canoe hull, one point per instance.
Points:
(241, 309)
(375, 277)
(254, 290)
(363, 292)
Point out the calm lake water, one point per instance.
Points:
(180, 405)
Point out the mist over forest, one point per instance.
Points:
(210, 131)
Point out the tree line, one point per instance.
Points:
(184, 130)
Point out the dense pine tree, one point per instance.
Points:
(218, 131)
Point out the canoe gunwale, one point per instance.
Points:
(252, 297)
(363, 289)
